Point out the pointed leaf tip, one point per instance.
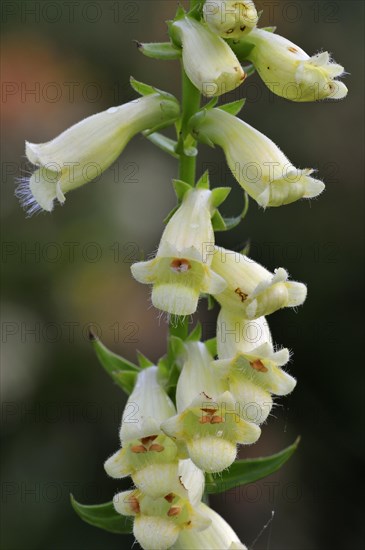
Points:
(249, 470)
(104, 516)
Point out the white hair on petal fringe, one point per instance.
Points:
(26, 197)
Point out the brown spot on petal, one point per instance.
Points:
(138, 449)
(157, 448)
(181, 483)
(174, 511)
(292, 49)
(180, 265)
(209, 411)
(243, 28)
(205, 420)
(170, 497)
(148, 439)
(205, 395)
(216, 420)
(134, 504)
(258, 365)
(241, 294)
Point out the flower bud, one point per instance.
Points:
(208, 61)
(148, 455)
(230, 18)
(83, 151)
(218, 536)
(255, 161)
(252, 291)
(209, 421)
(289, 72)
(181, 269)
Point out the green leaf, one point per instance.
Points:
(159, 50)
(219, 195)
(203, 182)
(234, 107)
(122, 371)
(103, 516)
(195, 334)
(181, 187)
(166, 144)
(247, 471)
(143, 361)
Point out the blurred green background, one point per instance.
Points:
(62, 61)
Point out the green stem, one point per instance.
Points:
(190, 105)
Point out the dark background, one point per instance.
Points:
(61, 272)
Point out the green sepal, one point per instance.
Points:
(170, 214)
(175, 39)
(211, 346)
(225, 224)
(143, 361)
(219, 195)
(179, 326)
(246, 249)
(212, 103)
(241, 48)
(234, 107)
(268, 29)
(141, 88)
(146, 89)
(176, 349)
(159, 50)
(181, 187)
(203, 181)
(248, 471)
(218, 222)
(195, 122)
(195, 334)
(197, 11)
(122, 371)
(103, 516)
(249, 69)
(126, 379)
(166, 144)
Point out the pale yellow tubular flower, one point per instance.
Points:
(158, 522)
(291, 73)
(258, 165)
(249, 364)
(208, 422)
(208, 61)
(83, 151)
(147, 454)
(230, 18)
(181, 269)
(252, 291)
(218, 536)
